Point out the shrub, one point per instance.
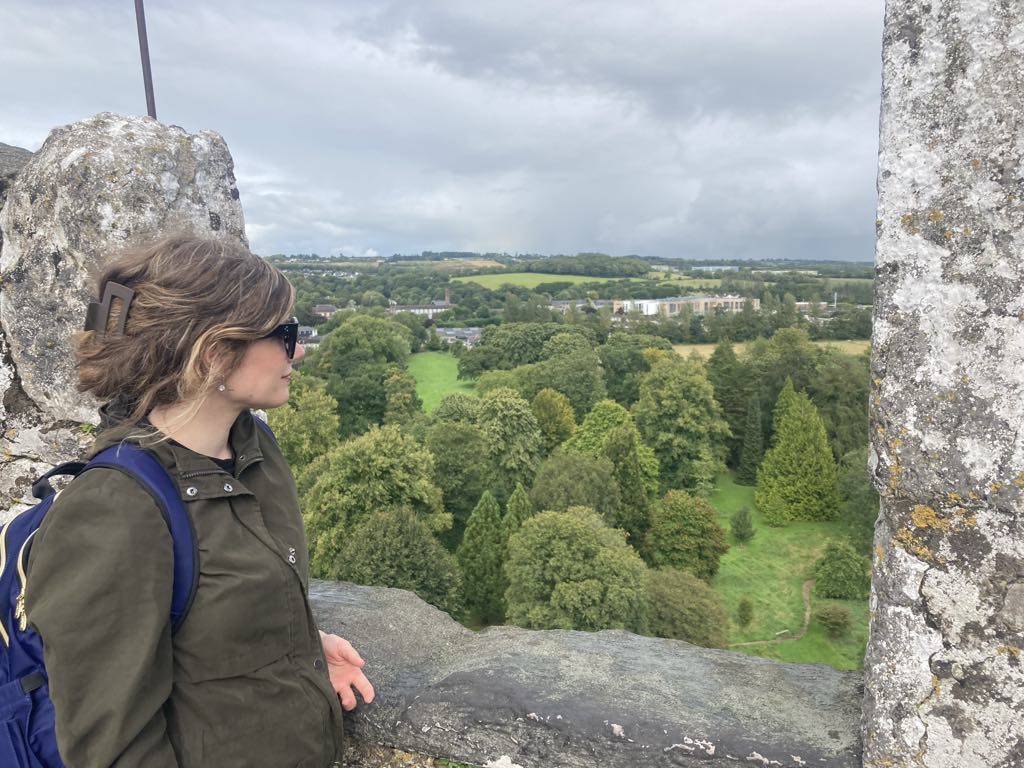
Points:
(841, 573)
(741, 526)
(744, 612)
(682, 607)
(836, 619)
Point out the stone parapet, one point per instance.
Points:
(560, 699)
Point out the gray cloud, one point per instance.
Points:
(663, 128)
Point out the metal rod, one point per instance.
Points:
(147, 74)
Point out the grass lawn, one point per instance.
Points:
(528, 279)
(437, 375)
(770, 570)
(852, 347)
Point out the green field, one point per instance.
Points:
(529, 279)
(853, 347)
(685, 282)
(437, 375)
(770, 570)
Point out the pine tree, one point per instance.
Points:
(797, 479)
(753, 444)
(481, 555)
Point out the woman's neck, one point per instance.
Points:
(203, 429)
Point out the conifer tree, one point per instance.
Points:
(518, 510)
(797, 479)
(481, 555)
(740, 525)
(744, 612)
(753, 444)
(730, 379)
(785, 399)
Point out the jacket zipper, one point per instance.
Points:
(201, 472)
(3, 564)
(19, 604)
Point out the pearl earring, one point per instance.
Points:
(221, 387)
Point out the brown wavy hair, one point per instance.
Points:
(197, 304)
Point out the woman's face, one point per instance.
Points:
(262, 377)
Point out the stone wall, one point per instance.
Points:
(558, 699)
(945, 686)
(92, 189)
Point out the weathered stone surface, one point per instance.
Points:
(945, 686)
(91, 189)
(12, 159)
(556, 698)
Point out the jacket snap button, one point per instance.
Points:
(191, 490)
(228, 487)
(318, 664)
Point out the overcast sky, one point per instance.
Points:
(683, 128)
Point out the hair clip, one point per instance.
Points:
(97, 316)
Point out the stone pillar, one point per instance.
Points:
(93, 188)
(944, 681)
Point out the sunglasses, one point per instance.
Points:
(287, 332)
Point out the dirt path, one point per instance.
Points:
(808, 585)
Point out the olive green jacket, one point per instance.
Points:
(243, 681)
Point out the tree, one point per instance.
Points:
(576, 480)
(512, 438)
(744, 612)
(457, 407)
(401, 403)
(797, 479)
(622, 447)
(567, 570)
(517, 512)
(361, 340)
(396, 548)
(624, 363)
(685, 534)
(380, 470)
(840, 573)
(678, 417)
(859, 499)
(730, 380)
(753, 444)
(682, 607)
(740, 525)
(307, 427)
(462, 470)
(594, 433)
(839, 390)
(787, 396)
(481, 557)
(564, 344)
(554, 416)
(577, 375)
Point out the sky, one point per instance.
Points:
(671, 128)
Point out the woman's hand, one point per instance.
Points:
(345, 667)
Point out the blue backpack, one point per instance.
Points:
(27, 738)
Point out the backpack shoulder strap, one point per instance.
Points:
(141, 465)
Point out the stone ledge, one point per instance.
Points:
(559, 698)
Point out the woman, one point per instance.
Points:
(193, 334)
